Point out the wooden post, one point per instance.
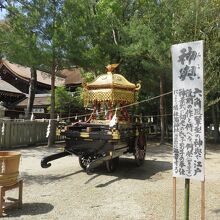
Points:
(20, 194)
(203, 200)
(186, 211)
(174, 198)
(1, 200)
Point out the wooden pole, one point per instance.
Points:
(187, 186)
(203, 200)
(174, 198)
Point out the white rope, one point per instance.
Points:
(151, 116)
(103, 111)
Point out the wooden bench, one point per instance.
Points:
(13, 202)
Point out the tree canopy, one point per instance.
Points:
(136, 34)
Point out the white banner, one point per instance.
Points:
(188, 110)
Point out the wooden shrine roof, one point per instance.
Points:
(70, 76)
(7, 87)
(40, 100)
(24, 73)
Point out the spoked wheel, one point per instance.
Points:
(140, 149)
(112, 164)
(83, 161)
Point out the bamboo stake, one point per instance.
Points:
(203, 200)
(174, 198)
(186, 211)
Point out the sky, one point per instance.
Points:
(2, 14)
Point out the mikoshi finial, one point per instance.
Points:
(111, 67)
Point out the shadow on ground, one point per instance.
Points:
(30, 209)
(212, 147)
(127, 169)
(45, 179)
(155, 149)
(41, 151)
(216, 211)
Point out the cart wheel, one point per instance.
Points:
(83, 161)
(140, 149)
(112, 164)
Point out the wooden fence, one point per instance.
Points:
(23, 133)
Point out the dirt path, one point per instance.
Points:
(64, 191)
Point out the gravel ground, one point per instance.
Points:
(64, 191)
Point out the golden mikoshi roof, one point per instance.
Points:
(111, 80)
(110, 87)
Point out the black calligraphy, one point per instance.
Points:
(187, 128)
(187, 56)
(188, 112)
(186, 59)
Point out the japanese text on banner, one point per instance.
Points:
(188, 110)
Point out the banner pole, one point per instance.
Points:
(174, 198)
(203, 200)
(187, 186)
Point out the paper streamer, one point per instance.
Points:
(48, 129)
(3, 129)
(32, 117)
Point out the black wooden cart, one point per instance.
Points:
(110, 131)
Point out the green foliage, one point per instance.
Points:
(71, 102)
(63, 99)
(136, 34)
(68, 102)
(88, 76)
(22, 44)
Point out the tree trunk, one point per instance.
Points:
(52, 135)
(32, 89)
(51, 138)
(166, 131)
(215, 119)
(166, 122)
(162, 124)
